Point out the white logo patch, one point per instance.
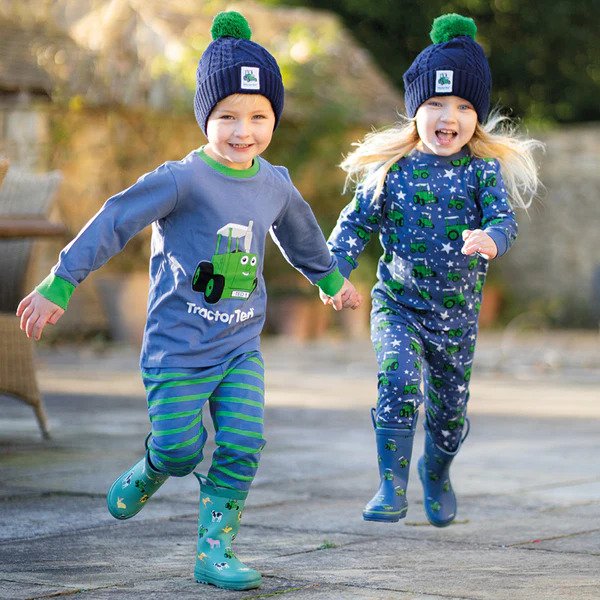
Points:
(443, 81)
(250, 78)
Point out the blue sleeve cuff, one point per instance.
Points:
(500, 239)
(346, 265)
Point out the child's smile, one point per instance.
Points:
(445, 136)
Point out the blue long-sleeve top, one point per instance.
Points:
(426, 203)
(207, 296)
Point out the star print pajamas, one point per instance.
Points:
(428, 294)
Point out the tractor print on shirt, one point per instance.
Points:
(231, 274)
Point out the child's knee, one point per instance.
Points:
(176, 459)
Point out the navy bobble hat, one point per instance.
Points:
(233, 64)
(454, 65)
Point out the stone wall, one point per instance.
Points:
(552, 268)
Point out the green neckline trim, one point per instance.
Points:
(237, 173)
(57, 290)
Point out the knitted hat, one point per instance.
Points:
(454, 65)
(232, 64)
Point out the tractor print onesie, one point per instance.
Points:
(207, 298)
(428, 294)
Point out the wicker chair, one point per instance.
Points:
(21, 193)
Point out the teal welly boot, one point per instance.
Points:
(394, 449)
(130, 491)
(439, 499)
(218, 523)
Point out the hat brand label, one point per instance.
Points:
(443, 81)
(250, 78)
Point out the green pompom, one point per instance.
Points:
(230, 24)
(451, 25)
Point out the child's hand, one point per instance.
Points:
(347, 297)
(477, 240)
(35, 312)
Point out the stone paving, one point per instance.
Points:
(528, 481)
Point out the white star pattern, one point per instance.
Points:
(447, 248)
(449, 173)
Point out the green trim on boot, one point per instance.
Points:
(219, 518)
(132, 489)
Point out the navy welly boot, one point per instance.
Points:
(394, 449)
(439, 499)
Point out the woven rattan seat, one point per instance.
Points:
(21, 193)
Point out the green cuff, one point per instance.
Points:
(331, 284)
(56, 290)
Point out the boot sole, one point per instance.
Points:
(228, 585)
(384, 518)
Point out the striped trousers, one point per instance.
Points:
(235, 394)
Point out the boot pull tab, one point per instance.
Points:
(468, 428)
(373, 411)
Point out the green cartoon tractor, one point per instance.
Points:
(424, 198)
(395, 287)
(486, 181)
(424, 221)
(435, 399)
(390, 362)
(249, 77)
(418, 247)
(454, 229)
(410, 389)
(231, 274)
(451, 298)
(362, 233)
(457, 203)
(464, 161)
(488, 199)
(407, 410)
(420, 173)
(422, 271)
(416, 347)
(396, 217)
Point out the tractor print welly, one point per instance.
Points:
(231, 274)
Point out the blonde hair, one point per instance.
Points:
(368, 165)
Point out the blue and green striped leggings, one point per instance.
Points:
(235, 394)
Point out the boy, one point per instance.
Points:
(210, 215)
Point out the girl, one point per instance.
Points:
(436, 188)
